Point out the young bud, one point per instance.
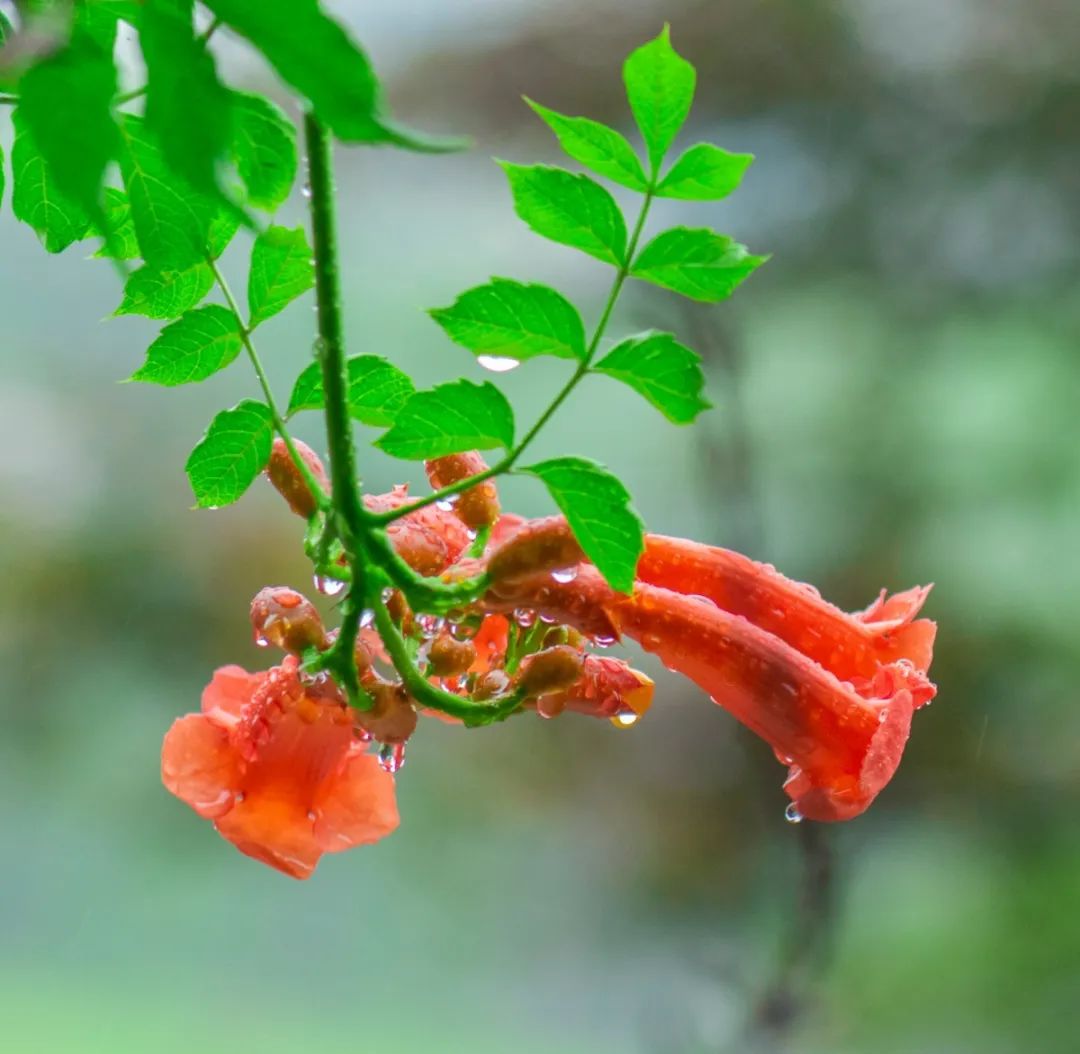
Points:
(399, 610)
(490, 684)
(392, 719)
(287, 480)
(476, 507)
(539, 546)
(549, 671)
(448, 657)
(286, 619)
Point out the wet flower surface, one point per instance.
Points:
(276, 765)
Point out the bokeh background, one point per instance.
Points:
(897, 399)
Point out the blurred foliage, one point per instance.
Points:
(895, 403)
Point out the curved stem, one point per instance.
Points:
(428, 694)
(318, 494)
(507, 463)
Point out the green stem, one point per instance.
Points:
(318, 494)
(507, 463)
(9, 100)
(426, 693)
(331, 344)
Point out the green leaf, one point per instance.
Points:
(448, 419)
(660, 87)
(569, 209)
(172, 220)
(704, 173)
(122, 243)
(165, 294)
(264, 149)
(193, 348)
(37, 200)
(376, 390)
(188, 109)
(66, 105)
(233, 452)
(316, 56)
(597, 507)
(281, 270)
(663, 370)
(596, 146)
(514, 320)
(223, 226)
(698, 263)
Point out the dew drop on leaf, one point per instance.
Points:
(498, 363)
(329, 587)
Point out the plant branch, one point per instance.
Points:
(507, 463)
(429, 695)
(318, 494)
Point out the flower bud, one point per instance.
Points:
(549, 671)
(287, 480)
(286, 619)
(490, 684)
(539, 546)
(448, 657)
(392, 718)
(476, 507)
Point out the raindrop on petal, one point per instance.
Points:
(625, 720)
(567, 574)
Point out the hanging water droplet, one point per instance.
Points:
(429, 624)
(392, 758)
(306, 189)
(625, 720)
(603, 641)
(792, 814)
(444, 505)
(567, 574)
(367, 617)
(525, 617)
(497, 363)
(329, 587)
(548, 620)
(261, 641)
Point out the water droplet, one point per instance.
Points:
(625, 720)
(392, 758)
(429, 624)
(525, 617)
(261, 641)
(329, 587)
(548, 620)
(700, 599)
(367, 617)
(567, 574)
(603, 641)
(311, 816)
(792, 814)
(306, 190)
(240, 796)
(444, 505)
(497, 363)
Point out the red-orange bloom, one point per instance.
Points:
(276, 765)
(832, 693)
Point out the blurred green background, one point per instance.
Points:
(896, 402)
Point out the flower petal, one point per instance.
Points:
(274, 830)
(198, 766)
(229, 691)
(357, 805)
